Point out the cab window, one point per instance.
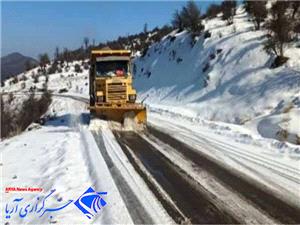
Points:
(111, 68)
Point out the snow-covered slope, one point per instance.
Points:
(225, 77)
(68, 78)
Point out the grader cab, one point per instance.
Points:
(112, 96)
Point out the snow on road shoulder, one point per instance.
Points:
(57, 156)
(274, 165)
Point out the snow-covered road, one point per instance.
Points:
(278, 168)
(61, 155)
(68, 155)
(238, 194)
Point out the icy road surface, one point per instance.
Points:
(68, 156)
(275, 166)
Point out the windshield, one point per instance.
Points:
(111, 68)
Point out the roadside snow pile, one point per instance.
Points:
(225, 77)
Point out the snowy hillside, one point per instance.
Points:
(27, 92)
(225, 77)
(74, 82)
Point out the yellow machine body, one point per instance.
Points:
(112, 95)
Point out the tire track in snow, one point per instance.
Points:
(275, 167)
(197, 205)
(258, 194)
(258, 161)
(137, 212)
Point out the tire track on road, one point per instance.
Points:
(197, 204)
(137, 212)
(257, 194)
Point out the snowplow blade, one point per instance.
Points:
(119, 113)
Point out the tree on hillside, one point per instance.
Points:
(191, 17)
(145, 28)
(213, 10)
(295, 5)
(188, 18)
(295, 16)
(257, 10)
(28, 65)
(279, 29)
(56, 54)
(228, 10)
(137, 42)
(86, 42)
(247, 5)
(44, 60)
(66, 56)
(115, 45)
(81, 54)
(177, 20)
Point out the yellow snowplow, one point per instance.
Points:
(112, 96)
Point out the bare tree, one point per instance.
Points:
(279, 28)
(28, 65)
(44, 60)
(295, 17)
(66, 56)
(86, 42)
(189, 18)
(213, 10)
(228, 9)
(295, 5)
(257, 11)
(194, 23)
(177, 20)
(145, 28)
(56, 54)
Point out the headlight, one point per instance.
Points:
(132, 97)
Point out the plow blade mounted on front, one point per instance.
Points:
(137, 112)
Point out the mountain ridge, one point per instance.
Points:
(14, 64)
